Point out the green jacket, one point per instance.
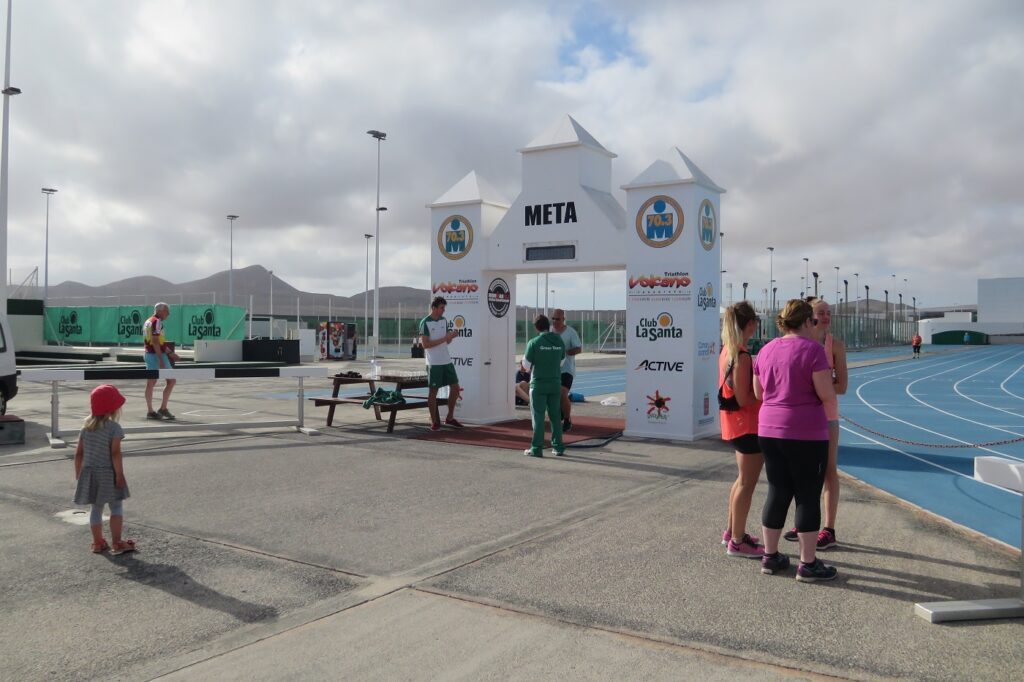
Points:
(545, 354)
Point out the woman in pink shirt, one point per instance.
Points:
(793, 379)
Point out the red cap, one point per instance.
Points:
(105, 399)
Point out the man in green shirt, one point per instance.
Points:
(544, 355)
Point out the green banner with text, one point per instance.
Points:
(122, 325)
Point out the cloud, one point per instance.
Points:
(881, 138)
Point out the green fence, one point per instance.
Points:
(856, 331)
(122, 325)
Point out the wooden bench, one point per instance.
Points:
(413, 402)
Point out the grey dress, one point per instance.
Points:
(96, 482)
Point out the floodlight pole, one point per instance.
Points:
(46, 255)
(231, 259)
(366, 290)
(380, 137)
(8, 91)
(771, 267)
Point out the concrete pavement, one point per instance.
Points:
(363, 555)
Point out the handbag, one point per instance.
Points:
(730, 404)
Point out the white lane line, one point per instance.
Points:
(925, 461)
(1003, 385)
(918, 426)
(910, 393)
(956, 389)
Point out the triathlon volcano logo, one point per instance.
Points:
(455, 237)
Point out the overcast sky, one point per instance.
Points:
(883, 137)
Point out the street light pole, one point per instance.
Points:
(771, 267)
(366, 291)
(807, 275)
(380, 137)
(231, 259)
(8, 91)
(46, 256)
(837, 283)
(271, 314)
(745, 291)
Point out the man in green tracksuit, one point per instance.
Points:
(544, 354)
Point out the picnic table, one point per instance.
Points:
(401, 382)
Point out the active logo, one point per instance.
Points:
(657, 408)
(660, 327)
(659, 222)
(462, 362)
(499, 298)
(204, 325)
(660, 366)
(666, 286)
(706, 297)
(708, 228)
(461, 328)
(455, 237)
(129, 325)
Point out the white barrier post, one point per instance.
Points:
(1005, 473)
(55, 376)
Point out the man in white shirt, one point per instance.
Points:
(435, 337)
(573, 347)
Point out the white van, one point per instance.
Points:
(8, 372)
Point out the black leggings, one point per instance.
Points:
(795, 468)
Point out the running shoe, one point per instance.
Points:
(727, 535)
(155, 416)
(166, 414)
(774, 563)
(454, 423)
(435, 426)
(530, 453)
(559, 453)
(745, 548)
(827, 539)
(791, 535)
(815, 572)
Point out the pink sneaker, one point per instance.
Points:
(727, 535)
(745, 548)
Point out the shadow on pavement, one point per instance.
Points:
(180, 584)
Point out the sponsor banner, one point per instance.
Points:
(455, 237)
(461, 327)
(499, 297)
(123, 324)
(708, 349)
(457, 290)
(659, 286)
(706, 299)
(707, 225)
(659, 222)
(68, 324)
(656, 327)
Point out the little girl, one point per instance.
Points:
(99, 470)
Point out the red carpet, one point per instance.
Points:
(516, 434)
